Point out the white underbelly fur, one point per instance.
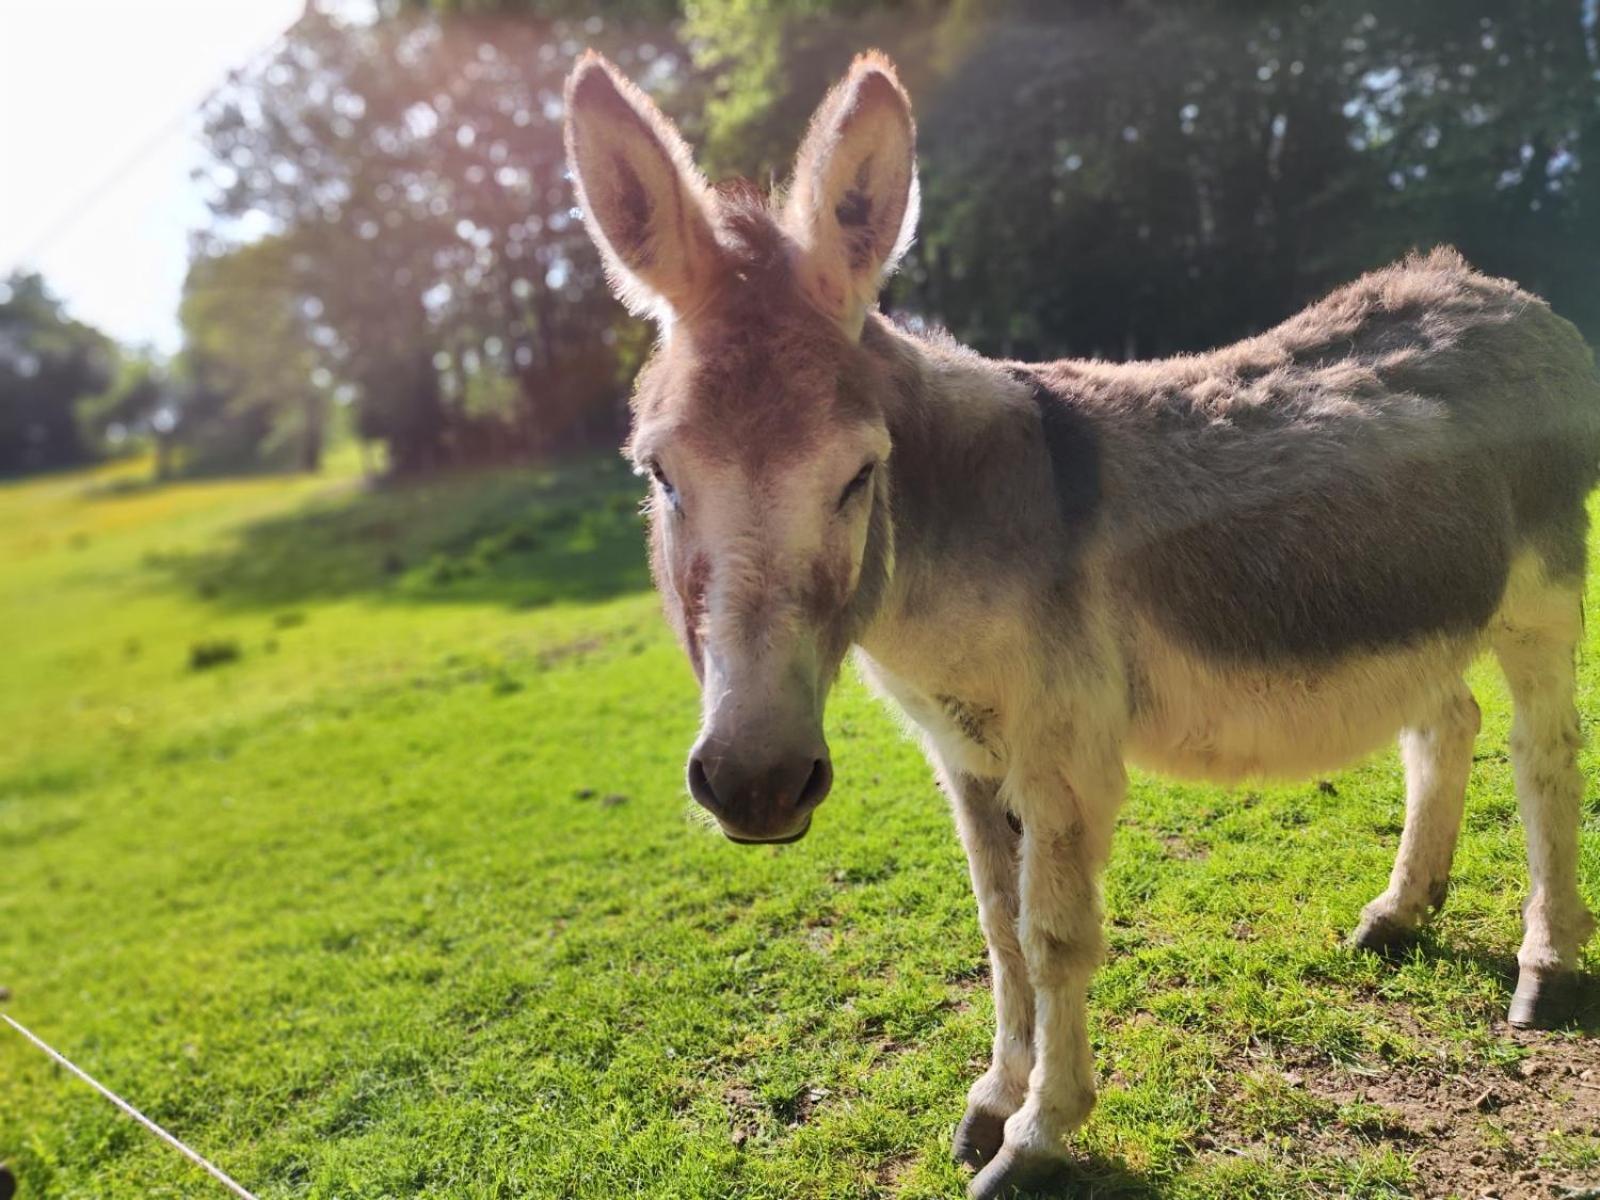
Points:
(1204, 721)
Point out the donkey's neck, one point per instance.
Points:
(964, 433)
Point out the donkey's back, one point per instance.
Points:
(1363, 477)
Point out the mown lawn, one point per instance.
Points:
(344, 832)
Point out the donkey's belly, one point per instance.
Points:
(1205, 721)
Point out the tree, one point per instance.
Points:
(415, 164)
(254, 391)
(1486, 123)
(49, 365)
(138, 404)
(1101, 178)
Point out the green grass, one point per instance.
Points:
(343, 831)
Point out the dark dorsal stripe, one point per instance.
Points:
(1073, 448)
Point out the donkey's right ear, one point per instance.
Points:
(853, 206)
(644, 203)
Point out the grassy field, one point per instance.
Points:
(343, 831)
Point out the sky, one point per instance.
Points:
(97, 139)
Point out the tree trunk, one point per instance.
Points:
(311, 433)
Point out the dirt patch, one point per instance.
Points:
(892, 1170)
(1180, 847)
(967, 983)
(799, 1110)
(884, 1046)
(744, 1113)
(749, 1114)
(1530, 1131)
(819, 938)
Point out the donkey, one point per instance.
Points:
(1265, 560)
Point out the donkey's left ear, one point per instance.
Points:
(853, 204)
(645, 205)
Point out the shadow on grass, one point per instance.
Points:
(1091, 1175)
(522, 538)
(1502, 967)
(120, 486)
(1096, 1175)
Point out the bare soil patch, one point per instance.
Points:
(1530, 1131)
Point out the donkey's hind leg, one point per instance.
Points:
(1437, 754)
(1536, 644)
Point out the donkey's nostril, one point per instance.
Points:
(816, 785)
(700, 786)
(762, 799)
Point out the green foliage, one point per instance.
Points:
(51, 366)
(415, 167)
(764, 66)
(137, 403)
(1574, 1151)
(411, 905)
(251, 394)
(1099, 179)
(524, 540)
(1141, 180)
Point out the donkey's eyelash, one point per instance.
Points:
(660, 476)
(856, 484)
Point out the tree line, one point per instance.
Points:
(394, 244)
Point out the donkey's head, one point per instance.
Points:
(756, 417)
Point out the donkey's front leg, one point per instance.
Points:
(1067, 817)
(993, 846)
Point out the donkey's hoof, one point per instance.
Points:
(1545, 1001)
(1014, 1171)
(978, 1137)
(1383, 937)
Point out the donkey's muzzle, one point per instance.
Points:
(760, 801)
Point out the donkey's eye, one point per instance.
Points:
(660, 476)
(856, 485)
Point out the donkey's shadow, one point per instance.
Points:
(1098, 1176)
(1502, 967)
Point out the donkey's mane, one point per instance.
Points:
(755, 245)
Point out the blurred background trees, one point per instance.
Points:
(395, 252)
(254, 392)
(50, 366)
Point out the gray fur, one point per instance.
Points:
(1279, 500)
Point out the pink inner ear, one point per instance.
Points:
(644, 202)
(854, 190)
